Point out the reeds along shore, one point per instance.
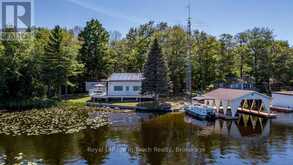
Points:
(51, 121)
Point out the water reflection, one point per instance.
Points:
(247, 127)
(159, 139)
(54, 149)
(93, 145)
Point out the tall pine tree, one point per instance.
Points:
(59, 62)
(155, 73)
(94, 52)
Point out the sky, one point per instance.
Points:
(212, 16)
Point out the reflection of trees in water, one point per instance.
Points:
(252, 126)
(170, 131)
(248, 137)
(53, 149)
(10, 149)
(251, 134)
(129, 137)
(281, 137)
(56, 149)
(93, 146)
(206, 145)
(165, 132)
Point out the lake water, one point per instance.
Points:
(137, 138)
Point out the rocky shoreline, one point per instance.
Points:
(65, 120)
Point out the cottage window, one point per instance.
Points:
(136, 88)
(118, 88)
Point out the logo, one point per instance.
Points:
(16, 17)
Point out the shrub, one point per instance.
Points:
(36, 103)
(155, 105)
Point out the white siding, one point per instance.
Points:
(282, 100)
(124, 92)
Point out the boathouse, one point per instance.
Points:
(228, 102)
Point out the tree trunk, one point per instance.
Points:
(156, 97)
(60, 91)
(49, 90)
(241, 66)
(66, 92)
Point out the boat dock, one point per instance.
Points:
(282, 109)
(258, 113)
(227, 103)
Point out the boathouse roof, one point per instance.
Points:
(126, 77)
(290, 93)
(229, 94)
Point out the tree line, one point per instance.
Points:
(58, 61)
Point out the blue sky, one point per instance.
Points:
(213, 16)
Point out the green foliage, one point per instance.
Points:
(94, 52)
(130, 54)
(205, 51)
(226, 58)
(26, 104)
(28, 67)
(55, 62)
(15, 62)
(59, 62)
(174, 47)
(155, 73)
(154, 105)
(282, 62)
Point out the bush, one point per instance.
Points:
(155, 105)
(18, 105)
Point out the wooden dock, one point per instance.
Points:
(257, 113)
(246, 111)
(282, 109)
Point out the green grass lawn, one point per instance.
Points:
(80, 101)
(131, 104)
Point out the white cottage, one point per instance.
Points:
(124, 84)
(283, 101)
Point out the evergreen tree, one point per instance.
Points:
(94, 52)
(155, 73)
(51, 61)
(173, 43)
(59, 62)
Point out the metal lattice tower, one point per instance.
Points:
(189, 59)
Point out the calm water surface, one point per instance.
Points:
(136, 138)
